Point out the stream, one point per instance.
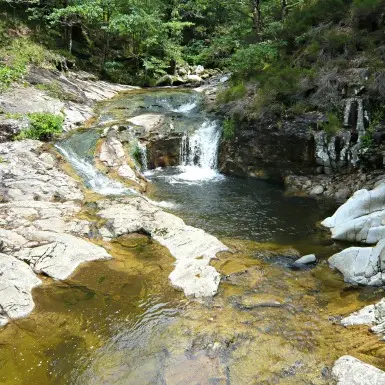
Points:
(120, 322)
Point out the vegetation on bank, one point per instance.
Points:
(287, 57)
(42, 126)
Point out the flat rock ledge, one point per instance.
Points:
(192, 248)
(348, 370)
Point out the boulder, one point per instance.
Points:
(194, 79)
(317, 190)
(348, 370)
(361, 218)
(361, 265)
(305, 260)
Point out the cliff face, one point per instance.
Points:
(304, 144)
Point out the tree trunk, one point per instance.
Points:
(257, 19)
(283, 9)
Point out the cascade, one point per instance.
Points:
(201, 148)
(91, 176)
(143, 155)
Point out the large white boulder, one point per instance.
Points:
(361, 265)
(348, 370)
(361, 218)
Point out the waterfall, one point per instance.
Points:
(91, 176)
(199, 153)
(201, 148)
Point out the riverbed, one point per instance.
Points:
(120, 322)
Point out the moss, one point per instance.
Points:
(54, 90)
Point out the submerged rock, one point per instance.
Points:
(191, 247)
(348, 370)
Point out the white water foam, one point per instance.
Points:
(199, 155)
(95, 179)
(186, 108)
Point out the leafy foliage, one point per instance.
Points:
(42, 126)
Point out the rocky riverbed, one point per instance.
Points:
(51, 223)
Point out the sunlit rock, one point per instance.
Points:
(361, 218)
(348, 370)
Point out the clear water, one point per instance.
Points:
(79, 149)
(119, 322)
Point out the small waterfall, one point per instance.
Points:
(91, 176)
(199, 153)
(143, 155)
(201, 148)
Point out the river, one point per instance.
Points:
(120, 322)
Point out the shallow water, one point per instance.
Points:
(120, 322)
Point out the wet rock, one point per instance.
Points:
(38, 231)
(372, 315)
(348, 370)
(16, 283)
(361, 218)
(114, 157)
(191, 247)
(317, 190)
(306, 259)
(256, 301)
(366, 316)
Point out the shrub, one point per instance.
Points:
(42, 126)
(249, 60)
(332, 126)
(233, 93)
(229, 129)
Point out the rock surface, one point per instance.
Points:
(71, 95)
(38, 230)
(372, 315)
(348, 370)
(306, 260)
(361, 218)
(361, 265)
(191, 247)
